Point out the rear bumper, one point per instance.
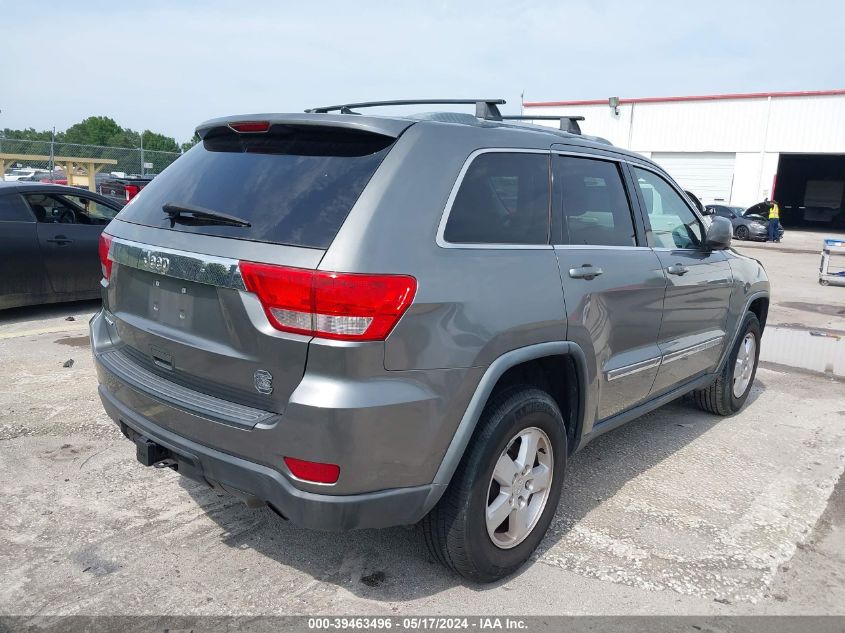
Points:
(254, 482)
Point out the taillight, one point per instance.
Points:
(313, 471)
(105, 262)
(345, 306)
(131, 191)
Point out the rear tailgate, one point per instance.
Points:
(179, 304)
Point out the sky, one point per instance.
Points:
(167, 66)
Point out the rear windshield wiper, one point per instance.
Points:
(199, 215)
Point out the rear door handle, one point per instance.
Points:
(60, 240)
(586, 271)
(677, 269)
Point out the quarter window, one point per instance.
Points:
(13, 209)
(503, 199)
(590, 203)
(673, 224)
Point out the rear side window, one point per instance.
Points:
(503, 199)
(13, 209)
(294, 184)
(590, 203)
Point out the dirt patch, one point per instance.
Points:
(75, 341)
(374, 579)
(818, 308)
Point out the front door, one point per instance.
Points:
(700, 283)
(613, 283)
(69, 228)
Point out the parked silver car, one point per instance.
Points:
(367, 321)
(747, 223)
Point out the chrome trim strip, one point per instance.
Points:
(694, 349)
(444, 218)
(634, 368)
(204, 269)
(598, 247)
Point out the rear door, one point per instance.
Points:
(176, 293)
(613, 283)
(699, 282)
(69, 228)
(23, 278)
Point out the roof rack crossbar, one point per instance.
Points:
(567, 123)
(484, 108)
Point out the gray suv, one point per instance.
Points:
(368, 321)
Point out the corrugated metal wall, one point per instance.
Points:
(757, 130)
(809, 124)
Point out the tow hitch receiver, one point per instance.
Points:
(151, 454)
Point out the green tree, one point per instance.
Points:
(101, 130)
(154, 141)
(29, 134)
(189, 144)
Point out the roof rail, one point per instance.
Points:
(484, 108)
(567, 123)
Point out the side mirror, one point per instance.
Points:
(719, 234)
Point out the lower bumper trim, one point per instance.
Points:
(257, 483)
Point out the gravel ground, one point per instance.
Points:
(677, 513)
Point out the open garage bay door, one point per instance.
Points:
(709, 175)
(810, 189)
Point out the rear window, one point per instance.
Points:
(294, 184)
(503, 199)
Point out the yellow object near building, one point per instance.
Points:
(774, 212)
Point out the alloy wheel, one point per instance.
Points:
(744, 366)
(519, 487)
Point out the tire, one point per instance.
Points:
(742, 232)
(721, 396)
(456, 530)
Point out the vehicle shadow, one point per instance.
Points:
(394, 565)
(48, 311)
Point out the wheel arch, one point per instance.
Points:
(539, 365)
(758, 303)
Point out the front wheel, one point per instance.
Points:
(506, 489)
(742, 232)
(730, 390)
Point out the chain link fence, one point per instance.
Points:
(130, 161)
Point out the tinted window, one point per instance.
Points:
(591, 204)
(69, 209)
(673, 223)
(724, 212)
(503, 199)
(294, 185)
(13, 209)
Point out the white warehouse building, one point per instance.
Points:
(734, 149)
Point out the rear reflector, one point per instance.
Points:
(105, 262)
(313, 471)
(250, 126)
(344, 306)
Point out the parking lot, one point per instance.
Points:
(678, 512)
